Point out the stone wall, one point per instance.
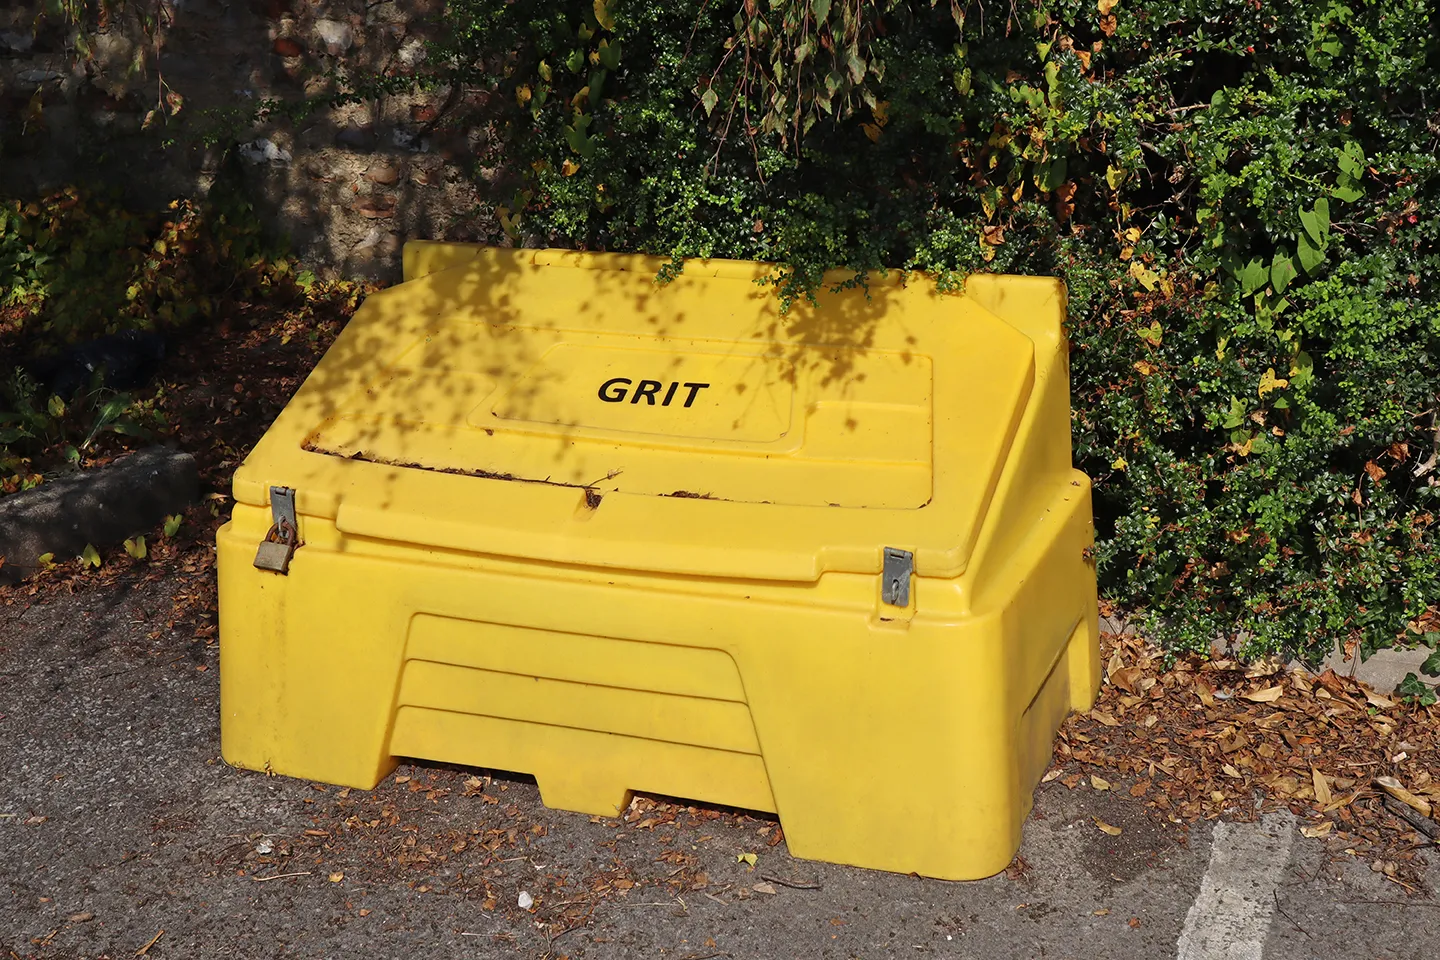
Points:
(347, 184)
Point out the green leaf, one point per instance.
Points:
(821, 9)
(172, 524)
(1309, 253)
(135, 546)
(106, 416)
(1347, 190)
(1431, 666)
(1050, 174)
(45, 561)
(56, 407)
(90, 556)
(1351, 160)
(1311, 222)
(708, 99)
(855, 64)
(1115, 176)
(609, 54)
(1252, 276)
(1282, 271)
(129, 428)
(1417, 689)
(576, 61)
(1235, 415)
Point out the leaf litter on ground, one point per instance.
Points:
(1201, 740)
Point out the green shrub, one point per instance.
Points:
(1240, 197)
(73, 267)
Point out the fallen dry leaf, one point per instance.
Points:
(1192, 728)
(763, 888)
(1397, 790)
(1126, 678)
(1322, 788)
(1098, 783)
(336, 877)
(1114, 831)
(1318, 829)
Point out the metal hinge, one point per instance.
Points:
(279, 544)
(895, 577)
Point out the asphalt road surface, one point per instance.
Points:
(119, 823)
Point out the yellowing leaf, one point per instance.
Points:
(1118, 463)
(871, 131)
(1098, 783)
(1318, 830)
(569, 168)
(1269, 382)
(1133, 234)
(1105, 6)
(90, 556)
(1107, 828)
(602, 16)
(135, 546)
(1268, 695)
(746, 858)
(1148, 278)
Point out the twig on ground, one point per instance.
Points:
(153, 940)
(1422, 824)
(795, 884)
(1276, 897)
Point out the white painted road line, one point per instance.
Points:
(1237, 894)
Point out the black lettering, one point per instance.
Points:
(695, 388)
(646, 389)
(608, 391)
(670, 394)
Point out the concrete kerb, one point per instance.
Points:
(99, 507)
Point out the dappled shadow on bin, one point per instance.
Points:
(586, 371)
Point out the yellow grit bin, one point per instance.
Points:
(539, 512)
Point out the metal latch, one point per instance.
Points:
(895, 577)
(279, 544)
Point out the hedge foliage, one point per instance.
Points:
(1241, 197)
